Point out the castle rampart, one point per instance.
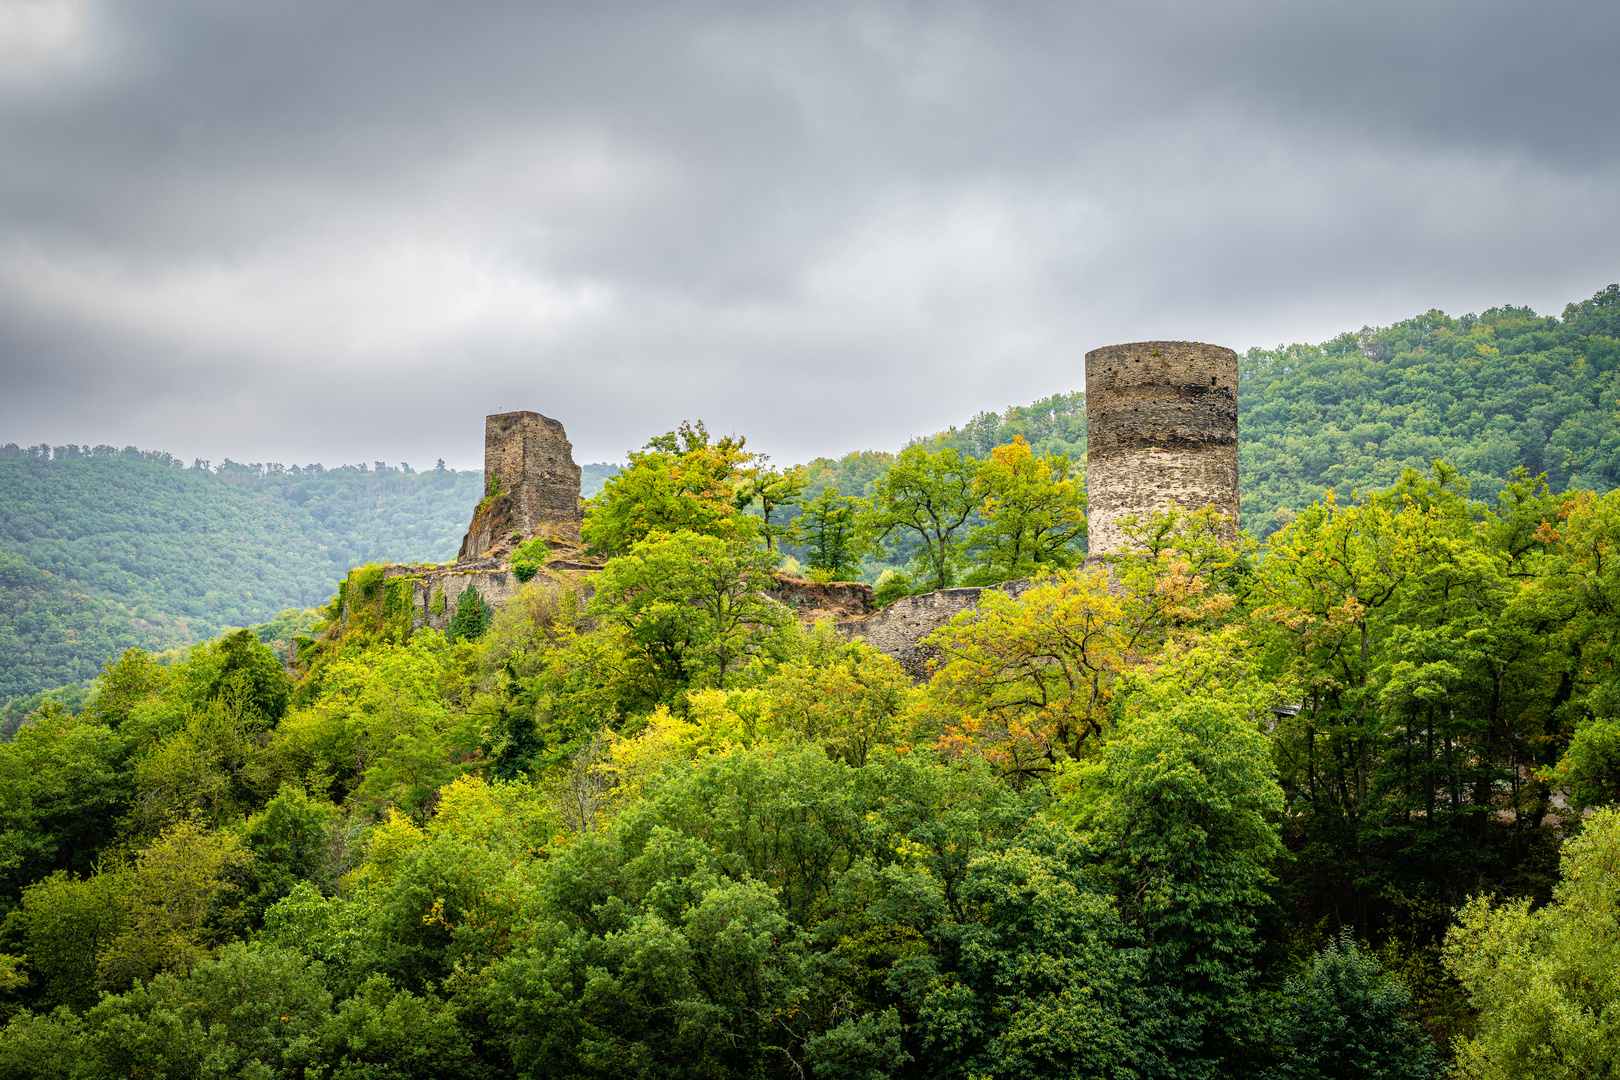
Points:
(1161, 424)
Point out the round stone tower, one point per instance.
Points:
(1161, 424)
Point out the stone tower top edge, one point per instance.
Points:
(1161, 426)
(1195, 365)
(504, 420)
(531, 480)
(1159, 344)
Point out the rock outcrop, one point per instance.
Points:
(813, 600)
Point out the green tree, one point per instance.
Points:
(828, 527)
(250, 1011)
(472, 617)
(385, 731)
(772, 490)
(1028, 682)
(1183, 805)
(1033, 513)
(210, 768)
(250, 670)
(1546, 981)
(66, 923)
(691, 606)
(289, 841)
(42, 1047)
(65, 782)
(865, 1047)
(848, 697)
(1441, 651)
(125, 682)
(704, 989)
(681, 481)
(1345, 1019)
(180, 899)
(383, 1031)
(1047, 974)
(926, 496)
(1590, 768)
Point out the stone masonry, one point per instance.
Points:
(1161, 423)
(532, 481)
(898, 630)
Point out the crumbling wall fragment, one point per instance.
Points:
(899, 629)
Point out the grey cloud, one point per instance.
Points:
(344, 231)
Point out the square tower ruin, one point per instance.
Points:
(531, 483)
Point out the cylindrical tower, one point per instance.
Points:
(1161, 424)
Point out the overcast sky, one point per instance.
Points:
(345, 230)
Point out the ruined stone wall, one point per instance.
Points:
(898, 630)
(811, 600)
(494, 586)
(529, 464)
(1161, 424)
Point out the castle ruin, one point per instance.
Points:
(1161, 424)
(530, 481)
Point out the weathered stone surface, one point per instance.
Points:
(898, 630)
(529, 466)
(812, 600)
(1161, 424)
(496, 585)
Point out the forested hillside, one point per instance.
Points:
(102, 550)
(106, 549)
(1342, 804)
(1486, 393)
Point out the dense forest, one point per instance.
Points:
(102, 550)
(1338, 803)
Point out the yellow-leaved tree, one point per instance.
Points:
(1028, 682)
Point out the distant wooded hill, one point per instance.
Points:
(1486, 393)
(102, 549)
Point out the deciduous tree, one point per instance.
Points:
(1033, 512)
(926, 496)
(692, 606)
(1546, 982)
(828, 528)
(680, 481)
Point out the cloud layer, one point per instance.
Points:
(343, 231)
